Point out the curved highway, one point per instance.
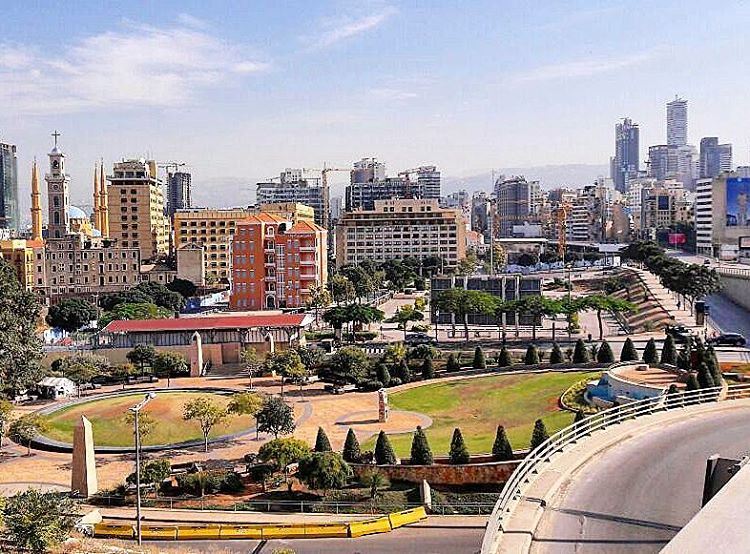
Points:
(635, 496)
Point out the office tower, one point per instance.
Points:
(178, 192)
(515, 201)
(401, 228)
(369, 183)
(276, 261)
(625, 164)
(10, 218)
(427, 181)
(663, 161)
(714, 157)
(58, 193)
(677, 122)
(136, 202)
(293, 187)
(368, 170)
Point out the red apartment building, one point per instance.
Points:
(275, 261)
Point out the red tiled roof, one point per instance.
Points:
(204, 323)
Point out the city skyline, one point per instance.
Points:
(240, 110)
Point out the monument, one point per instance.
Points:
(196, 355)
(83, 479)
(382, 406)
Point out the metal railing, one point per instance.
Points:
(523, 476)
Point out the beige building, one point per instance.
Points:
(136, 208)
(212, 229)
(20, 254)
(191, 263)
(293, 211)
(398, 228)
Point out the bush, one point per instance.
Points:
(605, 354)
(451, 364)
(580, 354)
(428, 372)
(351, 452)
(384, 454)
(382, 374)
(532, 356)
(501, 448)
(231, 483)
(324, 470)
(420, 449)
(200, 483)
(669, 352)
(458, 454)
(371, 385)
(556, 356)
(629, 353)
(504, 359)
(539, 435)
(650, 354)
(479, 361)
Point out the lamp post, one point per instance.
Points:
(137, 410)
(437, 320)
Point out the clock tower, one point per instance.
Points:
(57, 193)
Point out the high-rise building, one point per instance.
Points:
(368, 170)
(178, 192)
(677, 122)
(625, 163)
(400, 228)
(714, 157)
(293, 187)
(722, 216)
(427, 180)
(516, 199)
(663, 161)
(136, 206)
(368, 183)
(10, 217)
(276, 261)
(58, 193)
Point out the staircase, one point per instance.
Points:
(656, 305)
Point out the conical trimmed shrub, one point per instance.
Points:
(580, 354)
(713, 366)
(532, 356)
(504, 359)
(669, 352)
(451, 364)
(539, 435)
(692, 382)
(605, 354)
(479, 362)
(650, 354)
(420, 449)
(322, 444)
(459, 454)
(427, 370)
(501, 448)
(352, 450)
(629, 353)
(556, 356)
(384, 454)
(382, 374)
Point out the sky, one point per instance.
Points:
(239, 90)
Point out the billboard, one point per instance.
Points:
(662, 202)
(677, 238)
(738, 202)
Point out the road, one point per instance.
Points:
(410, 540)
(635, 496)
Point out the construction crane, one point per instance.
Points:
(326, 219)
(562, 229)
(168, 165)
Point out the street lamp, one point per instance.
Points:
(137, 410)
(437, 320)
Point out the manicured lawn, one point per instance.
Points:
(107, 418)
(478, 405)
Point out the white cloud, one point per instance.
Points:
(343, 28)
(582, 68)
(387, 93)
(191, 21)
(137, 65)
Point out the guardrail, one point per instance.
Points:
(523, 476)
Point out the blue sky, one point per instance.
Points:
(240, 90)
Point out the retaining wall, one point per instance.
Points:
(442, 473)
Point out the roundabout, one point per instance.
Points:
(113, 433)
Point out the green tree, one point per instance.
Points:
(384, 454)
(504, 359)
(207, 413)
(282, 452)
(428, 372)
(324, 471)
(650, 354)
(162, 296)
(479, 361)
(375, 480)
(382, 374)
(537, 307)
(605, 355)
(183, 287)
(556, 356)
(26, 428)
(580, 354)
(692, 382)
(107, 302)
(153, 472)
(275, 417)
(404, 315)
(532, 355)
(351, 450)
(420, 449)
(288, 365)
(252, 362)
(539, 435)
(71, 314)
(669, 352)
(451, 363)
(628, 353)
(348, 365)
(462, 303)
(601, 303)
(146, 424)
(21, 348)
(142, 355)
(81, 367)
(458, 454)
(143, 310)
(318, 297)
(170, 364)
(342, 289)
(501, 448)
(713, 366)
(245, 403)
(322, 444)
(6, 410)
(36, 521)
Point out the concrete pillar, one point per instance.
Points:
(83, 477)
(196, 355)
(382, 406)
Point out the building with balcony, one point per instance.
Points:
(276, 261)
(396, 229)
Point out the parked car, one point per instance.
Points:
(706, 262)
(679, 333)
(419, 338)
(339, 389)
(728, 339)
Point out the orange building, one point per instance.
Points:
(276, 261)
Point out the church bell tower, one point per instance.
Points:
(58, 184)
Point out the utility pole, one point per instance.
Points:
(136, 410)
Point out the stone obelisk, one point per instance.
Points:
(83, 480)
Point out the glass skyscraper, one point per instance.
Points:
(10, 217)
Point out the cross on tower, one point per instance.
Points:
(55, 134)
